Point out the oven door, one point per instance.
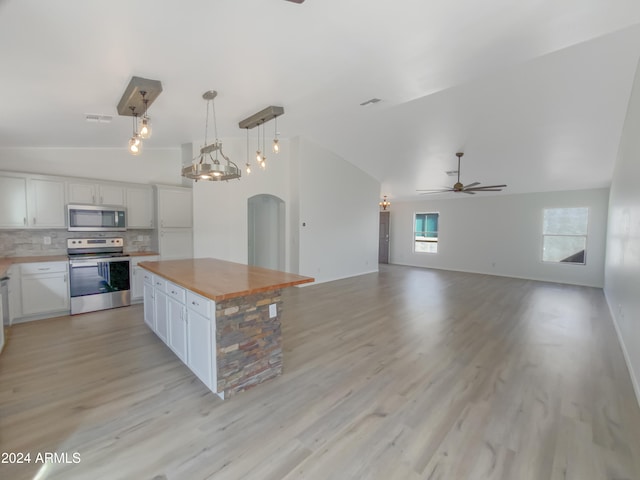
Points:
(99, 283)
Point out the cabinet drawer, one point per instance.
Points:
(175, 291)
(159, 283)
(147, 276)
(199, 304)
(43, 267)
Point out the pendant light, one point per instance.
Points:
(135, 144)
(258, 152)
(275, 147)
(263, 163)
(248, 165)
(145, 127)
(207, 166)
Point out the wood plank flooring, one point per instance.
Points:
(405, 374)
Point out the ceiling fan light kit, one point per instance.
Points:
(470, 189)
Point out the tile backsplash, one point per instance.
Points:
(26, 243)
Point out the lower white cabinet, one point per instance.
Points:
(162, 315)
(177, 328)
(137, 276)
(200, 347)
(149, 305)
(43, 289)
(186, 322)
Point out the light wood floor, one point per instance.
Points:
(406, 374)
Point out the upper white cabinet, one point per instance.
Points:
(83, 192)
(47, 201)
(31, 202)
(140, 210)
(13, 202)
(175, 207)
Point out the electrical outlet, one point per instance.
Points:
(273, 310)
(46, 240)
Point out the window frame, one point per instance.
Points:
(414, 241)
(585, 236)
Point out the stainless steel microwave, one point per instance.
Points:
(96, 218)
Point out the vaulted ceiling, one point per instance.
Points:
(534, 92)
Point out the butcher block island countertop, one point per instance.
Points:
(222, 319)
(220, 280)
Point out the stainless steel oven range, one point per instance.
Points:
(98, 274)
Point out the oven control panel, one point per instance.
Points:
(73, 243)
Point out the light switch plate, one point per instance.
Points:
(273, 310)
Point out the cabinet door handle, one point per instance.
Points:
(44, 269)
(93, 199)
(65, 278)
(195, 303)
(158, 283)
(24, 220)
(101, 199)
(34, 220)
(174, 292)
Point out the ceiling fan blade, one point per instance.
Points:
(444, 189)
(488, 186)
(428, 192)
(483, 190)
(295, 1)
(468, 191)
(472, 184)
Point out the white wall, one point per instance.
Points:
(151, 166)
(501, 235)
(339, 208)
(622, 271)
(220, 211)
(337, 201)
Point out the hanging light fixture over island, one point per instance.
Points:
(207, 165)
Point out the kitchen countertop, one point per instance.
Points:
(6, 262)
(221, 280)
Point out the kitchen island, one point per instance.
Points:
(222, 319)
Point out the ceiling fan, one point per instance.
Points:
(295, 1)
(471, 189)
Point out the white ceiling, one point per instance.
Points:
(534, 92)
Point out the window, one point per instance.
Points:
(564, 235)
(426, 233)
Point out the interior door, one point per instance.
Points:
(383, 243)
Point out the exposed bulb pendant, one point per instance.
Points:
(384, 203)
(145, 127)
(263, 164)
(258, 152)
(276, 146)
(247, 165)
(135, 144)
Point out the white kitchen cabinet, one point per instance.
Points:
(200, 345)
(137, 276)
(140, 211)
(44, 288)
(91, 193)
(175, 243)
(185, 321)
(13, 202)
(174, 207)
(177, 328)
(46, 203)
(149, 304)
(162, 317)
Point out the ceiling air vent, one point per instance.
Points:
(371, 101)
(97, 118)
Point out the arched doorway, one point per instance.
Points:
(266, 228)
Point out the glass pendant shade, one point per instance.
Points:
(135, 145)
(145, 128)
(276, 146)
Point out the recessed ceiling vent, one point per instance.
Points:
(97, 118)
(371, 101)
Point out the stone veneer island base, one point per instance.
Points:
(222, 319)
